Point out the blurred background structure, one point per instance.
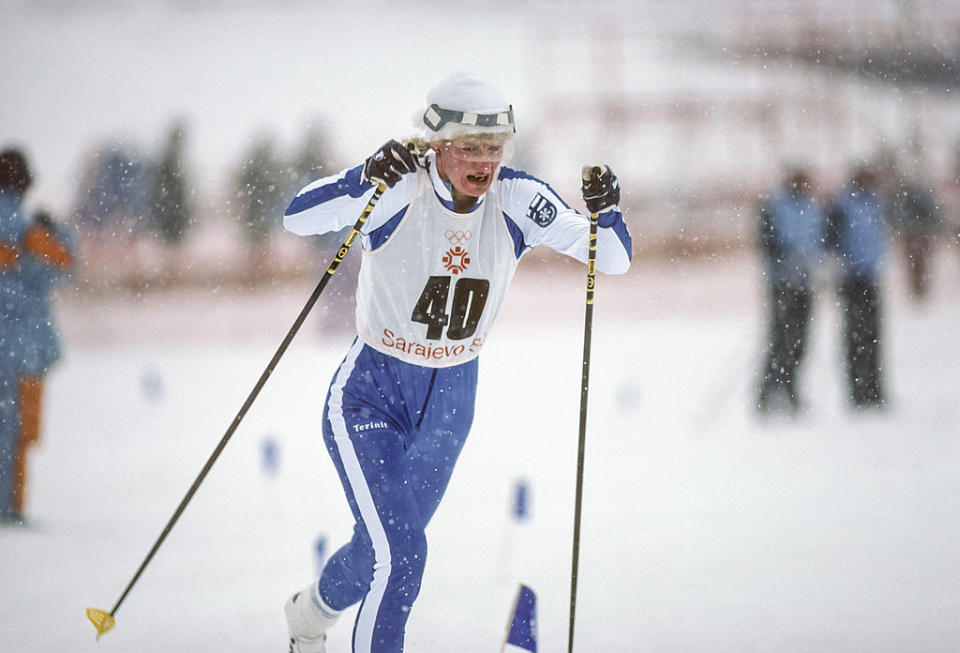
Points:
(174, 133)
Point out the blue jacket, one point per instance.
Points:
(792, 235)
(858, 226)
(28, 338)
(40, 277)
(13, 288)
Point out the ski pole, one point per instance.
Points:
(588, 173)
(104, 621)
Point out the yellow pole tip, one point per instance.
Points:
(101, 620)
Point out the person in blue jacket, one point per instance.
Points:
(914, 216)
(792, 227)
(47, 261)
(15, 179)
(859, 235)
(438, 253)
(34, 255)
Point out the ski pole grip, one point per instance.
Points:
(590, 173)
(419, 151)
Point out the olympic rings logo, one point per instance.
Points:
(457, 237)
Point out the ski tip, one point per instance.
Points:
(101, 620)
(522, 633)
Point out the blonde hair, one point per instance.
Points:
(421, 143)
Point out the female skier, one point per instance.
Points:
(439, 251)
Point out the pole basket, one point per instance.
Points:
(101, 620)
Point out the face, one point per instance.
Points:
(865, 178)
(800, 183)
(469, 162)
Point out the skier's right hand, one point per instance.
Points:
(389, 164)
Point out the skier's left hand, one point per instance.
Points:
(601, 188)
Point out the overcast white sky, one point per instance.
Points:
(75, 76)
(126, 71)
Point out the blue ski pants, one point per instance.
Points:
(394, 431)
(9, 443)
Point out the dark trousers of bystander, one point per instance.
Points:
(917, 250)
(789, 319)
(861, 309)
(9, 447)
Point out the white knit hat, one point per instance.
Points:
(461, 104)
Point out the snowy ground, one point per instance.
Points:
(705, 529)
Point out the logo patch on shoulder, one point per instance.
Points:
(541, 210)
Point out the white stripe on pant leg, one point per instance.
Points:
(363, 635)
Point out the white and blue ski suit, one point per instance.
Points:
(400, 405)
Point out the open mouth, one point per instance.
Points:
(478, 179)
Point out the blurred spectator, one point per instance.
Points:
(33, 255)
(47, 261)
(792, 230)
(858, 235)
(915, 218)
(15, 179)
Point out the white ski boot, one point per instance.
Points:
(308, 619)
(304, 645)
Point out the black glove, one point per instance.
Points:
(601, 188)
(389, 164)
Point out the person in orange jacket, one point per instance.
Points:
(48, 261)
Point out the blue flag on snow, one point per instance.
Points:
(522, 635)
